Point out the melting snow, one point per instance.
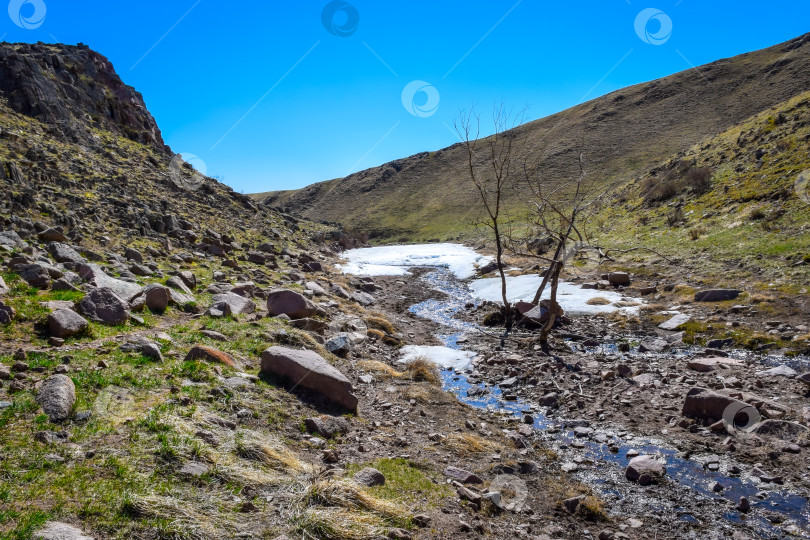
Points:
(395, 260)
(444, 357)
(571, 297)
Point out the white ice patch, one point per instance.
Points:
(395, 260)
(444, 357)
(571, 297)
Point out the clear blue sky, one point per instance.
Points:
(316, 105)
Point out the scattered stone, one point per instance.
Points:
(157, 297)
(675, 322)
(619, 278)
(214, 335)
(780, 429)
(778, 371)
(7, 313)
(176, 283)
(744, 506)
(290, 303)
(95, 276)
(188, 278)
(339, 345)
(656, 345)
(644, 465)
(63, 253)
(104, 306)
(55, 530)
(309, 370)
(194, 469)
(327, 426)
(369, 477)
(56, 396)
(133, 255)
(572, 504)
(229, 303)
(705, 365)
(462, 475)
(202, 352)
(716, 295)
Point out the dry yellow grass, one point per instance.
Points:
(380, 323)
(380, 368)
(464, 444)
(420, 369)
(598, 301)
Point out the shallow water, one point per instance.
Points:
(687, 473)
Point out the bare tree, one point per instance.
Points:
(491, 167)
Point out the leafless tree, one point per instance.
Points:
(491, 167)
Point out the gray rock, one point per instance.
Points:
(104, 306)
(157, 297)
(644, 466)
(95, 276)
(133, 255)
(716, 295)
(780, 429)
(188, 278)
(176, 283)
(63, 253)
(3, 287)
(229, 303)
(290, 303)
(778, 371)
(56, 396)
(309, 370)
(140, 269)
(327, 426)
(619, 278)
(11, 240)
(36, 275)
(315, 288)
(64, 323)
(363, 298)
(462, 475)
(339, 345)
(55, 530)
(675, 322)
(7, 313)
(194, 469)
(369, 477)
(653, 345)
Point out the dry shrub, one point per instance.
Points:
(380, 323)
(380, 368)
(598, 301)
(464, 444)
(339, 524)
(649, 308)
(420, 369)
(276, 457)
(347, 494)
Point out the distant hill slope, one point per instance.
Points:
(622, 135)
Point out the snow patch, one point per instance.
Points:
(395, 260)
(571, 296)
(444, 357)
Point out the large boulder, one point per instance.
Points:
(64, 323)
(36, 275)
(52, 235)
(63, 253)
(95, 276)
(309, 370)
(705, 404)
(176, 283)
(290, 303)
(716, 295)
(56, 396)
(104, 306)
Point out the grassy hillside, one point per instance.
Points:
(622, 135)
(729, 208)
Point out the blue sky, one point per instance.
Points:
(268, 96)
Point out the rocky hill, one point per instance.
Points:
(622, 135)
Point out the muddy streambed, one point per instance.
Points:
(692, 479)
(685, 498)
